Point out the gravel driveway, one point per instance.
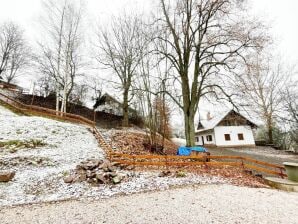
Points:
(197, 204)
(266, 154)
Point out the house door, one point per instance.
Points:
(203, 140)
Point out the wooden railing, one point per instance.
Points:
(199, 160)
(151, 160)
(41, 111)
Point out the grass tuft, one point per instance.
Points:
(14, 145)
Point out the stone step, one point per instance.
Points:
(282, 184)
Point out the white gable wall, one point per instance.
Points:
(112, 108)
(220, 132)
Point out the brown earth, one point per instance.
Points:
(133, 143)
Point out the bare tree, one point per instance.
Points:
(162, 116)
(261, 87)
(61, 57)
(79, 94)
(120, 49)
(290, 113)
(290, 96)
(44, 86)
(205, 39)
(147, 87)
(14, 52)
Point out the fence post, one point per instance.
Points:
(281, 173)
(134, 164)
(94, 115)
(206, 159)
(166, 157)
(32, 98)
(110, 156)
(242, 163)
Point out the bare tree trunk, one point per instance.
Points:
(125, 108)
(270, 131)
(189, 128)
(57, 99)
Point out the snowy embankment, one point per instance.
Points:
(40, 179)
(40, 171)
(179, 141)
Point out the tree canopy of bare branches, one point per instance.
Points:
(14, 52)
(120, 49)
(204, 40)
(61, 53)
(290, 112)
(262, 85)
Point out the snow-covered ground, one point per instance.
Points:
(66, 146)
(179, 141)
(40, 172)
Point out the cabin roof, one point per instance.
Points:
(205, 125)
(108, 98)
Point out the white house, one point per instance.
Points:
(109, 104)
(230, 129)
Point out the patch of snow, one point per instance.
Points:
(179, 141)
(5, 112)
(66, 146)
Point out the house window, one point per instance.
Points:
(227, 137)
(197, 139)
(209, 138)
(240, 136)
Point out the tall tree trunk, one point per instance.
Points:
(188, 109)
(125, 108)
(270, 131)
(189, 128)
(64, 101)
(57, 99)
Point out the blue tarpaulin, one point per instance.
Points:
(186, 151)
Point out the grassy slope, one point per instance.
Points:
(12, 109)
(31, 113)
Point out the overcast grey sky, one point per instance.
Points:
(283, 15)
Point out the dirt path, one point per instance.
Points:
(200, 204)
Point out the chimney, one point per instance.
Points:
(209, 116)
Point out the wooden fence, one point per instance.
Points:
(199, 160)
(151, 160)
(41, 111)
